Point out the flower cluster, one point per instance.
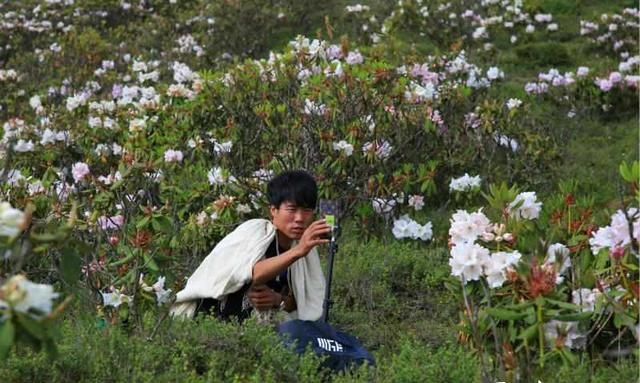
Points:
(405, 227)
(465, 183)
(23, 296)
(618, 234)
(525, 206)
(12, 221)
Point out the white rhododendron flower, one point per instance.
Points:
(567, 331)
(405, 227)
(416, 201)
(421, 93)
(496, 267)
(162, 295)
(467, 261)
(467, 227)
(11, 220)
(617, 233)
(137, 125)
(79, 170)
(23, 146)
(313, 108)
(513, 103)
(219, 176)
(28, 297)
(222, 147)
(525, 206)
(586, 298)
(344, 147)
(507, 142)
(354, 58)
(558, 255)
(114, 298)
(381, 148)
(464, 183)
(243, 208)
(383, 206)
(494, 73)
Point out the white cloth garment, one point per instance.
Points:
(229, 266)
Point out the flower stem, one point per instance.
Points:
(540, 333)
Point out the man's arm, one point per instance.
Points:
(267, 269)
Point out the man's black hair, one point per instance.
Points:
(296, 186)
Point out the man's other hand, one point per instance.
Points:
(263, 298)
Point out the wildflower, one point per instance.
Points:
(467, 227)
(23, 146)
(11, 220)
(79, 170)
(558, 256)
(565, 334)
(417, 202)
(585, 298)
(137, 125)
(582, 71)
(382, 149)
(464, 183)
(219, 176)
(114, 299)
(525, 206)
(467, 260)
(28, 297)
(343, 146)
(513, 103)
(383, 206)
(354, 58)
(171, 155)
(494, 73)
(110, 223)
(496, 266)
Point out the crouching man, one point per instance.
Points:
(265, 265)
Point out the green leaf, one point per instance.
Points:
(33, 327)
(530, 332)
(574, 316)
(162, 224)
(143, 222)
(7, 335)
(564, 305)
(70, 265)
(150, 263)
(505, 314)
(568, 356)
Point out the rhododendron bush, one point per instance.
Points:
(540, 280)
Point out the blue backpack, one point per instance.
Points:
(342, 350)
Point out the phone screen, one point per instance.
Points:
(328, 209)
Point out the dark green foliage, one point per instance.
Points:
(546, 54)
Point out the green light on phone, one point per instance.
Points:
(330, 219)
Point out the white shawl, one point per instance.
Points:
(229, 266)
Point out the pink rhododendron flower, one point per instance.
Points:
(173, 156)
(80, 170)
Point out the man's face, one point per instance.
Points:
(291, 220)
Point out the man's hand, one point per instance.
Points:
(263, 298)
(313, 236)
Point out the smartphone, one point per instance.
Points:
(328, 209)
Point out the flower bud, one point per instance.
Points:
(488, 237)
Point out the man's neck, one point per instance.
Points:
(283, 241)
